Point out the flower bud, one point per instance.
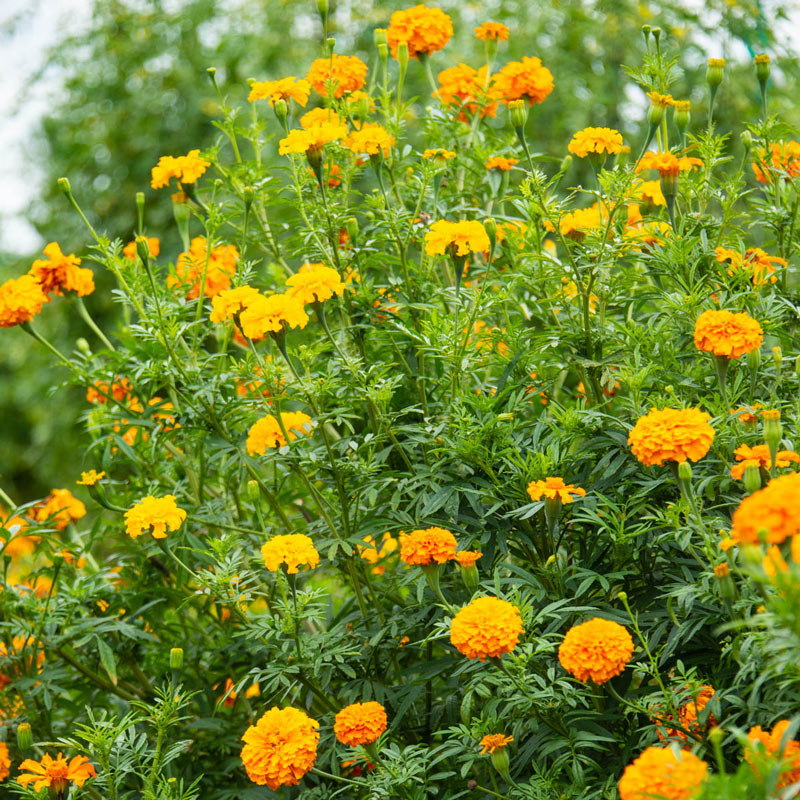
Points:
(490, 225)
(281, 109)
(83, 346)
(500, 762)
(253, 491)
(330, 43)
(143, 249)
(752, 478)
(685, 471)
(379, 36)
(655, 114)
(683, 114)
(566, 163)
(646, 33)
(507, 416)
(751, 554)
(777, 356)
(715, 72)
(762, 68)
(63, 185)
(383, 52)
(176, 658)
(24, 736)
(351, 226)
(249, 195)
(622, 597)
(322, 9)
(754, 359)
(140, 208)
(518, 111)
(747, 141)
(402, 56)
(773, 430)
(656, 35)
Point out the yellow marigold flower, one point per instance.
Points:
(554, 488)
(15, 544)
(770, 743)
(661, 100)
(467, 558)
(596, 650)
(60, 273)
(722, 570)
(771, 510)
(370, 138)
(283, 89)
(219, 267)
(280, 748)
(229, 303)
(670, 434)
(461, 238)
(312, 139)
(576, 224)
(492, 30)
(337, 75)
(155, 515)
(755, 261)
(501, 163)
(267, 431)
(313, 283)
(759, 456)
(784, 159)
(5, 762)
(527, 79)
(486, 628)
(90, 478)
(291, 549)
(55, 773)
(667, 164)
(360, 723)
(431, 545)
(596, 140)
(59, 509)
(438, 153)
(716, 62)
(466, 88)
(376, 551)
(724, 333)
(649, 192)
(425, 30)
(21, 299)
(153, 247)
(660, 772)
(185, 169)
(494, 741)
(317, 116)
(271, 315)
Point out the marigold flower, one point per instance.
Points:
(272, 314)
(90, 478)
(425, 30)
(153, 247)
(311, 139)
(462, 238)
(670, 434)
(577, 224)
(494, 741)
(725, 333)
(771, 744)
(689, 712)
(492, 30)
(155, 515)
(438, 153)
(597, 140)
(649, 192)
(55, 773)
(466, 88)
(337, 75)
(748, 415)
(527, 79)
(771, 510)
(376, 551)
(759, 456)
(267, 431)
(501, 163)
(318, 116)
(756, 261)
(661, 772)
(218, 266)
(119, 390)
(360, 723)
(282, 89)
(467, 558)
(59, 273)
(280, 748)
(291, 549)
(667, 163)
(554, 488)
(21, 299)
(185, 169)
(598, 650)
(229, 303)
(661, 100)
(314, 283)
(431, 545)
(784, 159)
(371, 138)
(486, 628)
(16, 543)
(59, 509)
(5, 762)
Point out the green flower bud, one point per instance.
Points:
(281, 109)
(63, 185)
(176, 658)
(752, 478)
(322, 8)
(518, 111)
(490, 224)
(646, 33)
(715, 72)
(379, 36)
(330, 43)
(747, 140)
(253, 491)
(777, 356)
(24, 736)
(501, 763)
(685, 471)
(754, 359)
(249, 194)
(762, 68)
(773, 430)
(83, 346)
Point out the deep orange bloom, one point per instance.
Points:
(598, 650)
(494, 741)
(755, 261)
(725, 333)
(337, 75)
(552, 488)
(467, 558)
(759, 456)
(667, 163)
(659, 772)
(375, 551)
(218, 266)
(55, 773)
(431, 545)
(290, 549)
(771, 511)
(671, 434)
(492, 30)
(527, 79)
(59, 509)
(501, 163)
(21, 299)
(360, 723)
(312, 139)
(371, 138)
(465, 87)
(185, 169)
(784, 158)
(486, 628)
(153, 247)
(689, 712)
(770, 743)
(59, 273)
(425, 30)
(5, 762)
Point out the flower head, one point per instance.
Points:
(577, 224)
(725, 333)
(552, 488)
(770, 744)
(153, 247)
(662, 772)
(661, 100)
(438, 153)
(283, 89)
(486, 628)
(59, 273)
(360, 723)
(314, 283)
(267, 431)
(494, 741)
(21, 299)
(428, 546)
(377, 550)
(466, 88)
(671, 434)
(59, 509)
(467, 558)
(317, 116)
(337, 75)
(461, 238)
(784, 159)
(155, 515)
(596, 650)
(759, 456)
(90, 478)
(217, 268)
(771, 511)
(312, 139)
(527, 79)
(272, 314)
(280, 748)
(425, 30)
(596, 140)
(185, 169)
(291, 549)
(5, 762)
(371, 138)
(229, 303)
(492, 31)
(667, 164)
(755, 261)
(55, 773)
(501, 163)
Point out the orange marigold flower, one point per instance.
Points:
(431, 545)
(689, 712)
(101, 392)
(280, 748)
(597, 140)
(438, 153)
(671, 434)
(667, 163)
(425, 30)
(291, 549)
(218, 266)
(554, 488)
(318, 116)
(271, 315)
(314, 283)
(337, 75)
(55, 773)
(725, 333)
(60, 273)
(486, 628)
(267, 431)
(501, 163)
(527, 79)
(311, 139)
(492, 30)
(466, 88)
(155, 515)
(649, 192)
(21, 299)
(229, 303)
(90, 478)
(371, 138)
(759, 456)
(771, 744)
(360, 723)
(494, 741)
(661, 772)
(771, 510)
(15, 543)
(467, 558)
(460, 238)
(598, 650)
(5, 762)
(59, 509)
(153, 247)
(376, 551)
(755, 261)
(747, 414)
(784, 159)
(576, 224)
(283, 89)
(185, 169)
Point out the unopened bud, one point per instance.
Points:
(566, 163)
(773, 430)
(281, 109)
(715, 72)
(685, 471)
(383, 52)
(683, 114)
(752, 478)
(518, 111)
(754, 359)
(656, 35)
(143, 249)
(622, 597)
(24, 736)
(762, 68)
(249, 195)
(253, 491)
(655, 114)
(490, 226)
(322, 8)
(402, 55)
(500, 762)
(330, 43)
(83, 346)
(506, 416)
(747, 140)
(176, 658)
(646, 33)
(777, 356)
(63, 185)
(379, 36)
(351, 226)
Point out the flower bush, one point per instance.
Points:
(410, 471)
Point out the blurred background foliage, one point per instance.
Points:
(133, 86)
